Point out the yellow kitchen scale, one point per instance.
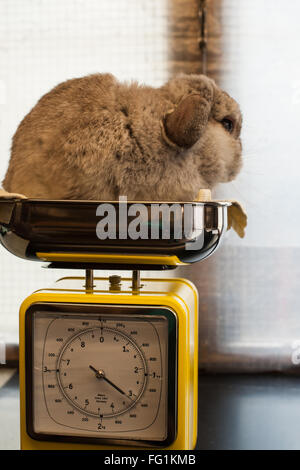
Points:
(110, 362)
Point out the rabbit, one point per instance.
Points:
(94, 138)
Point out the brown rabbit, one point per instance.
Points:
(95, 138)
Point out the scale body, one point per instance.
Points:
(105, 364)
(176, 298)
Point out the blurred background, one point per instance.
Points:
(249, 304)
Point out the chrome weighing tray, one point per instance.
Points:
(64, 233)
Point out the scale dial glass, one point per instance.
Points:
(101, 373)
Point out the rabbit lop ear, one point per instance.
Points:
(183, 125)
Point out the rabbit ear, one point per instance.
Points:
(183, 125)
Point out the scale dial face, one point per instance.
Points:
(101, 373)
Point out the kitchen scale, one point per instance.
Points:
(109, 362)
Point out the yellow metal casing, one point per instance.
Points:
(119, 259)
(180, 295)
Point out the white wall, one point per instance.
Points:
(261, 70)
(43, 42)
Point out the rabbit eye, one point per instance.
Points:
(227, 124)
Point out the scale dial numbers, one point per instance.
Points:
(102, 375)
(102, 372)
